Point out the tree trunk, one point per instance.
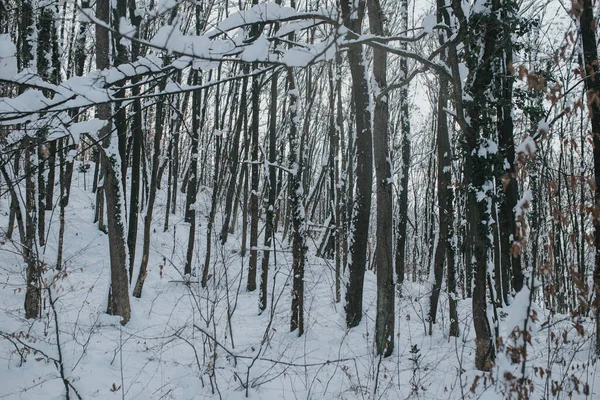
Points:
(444, 189)
(364, 167)
(592, 85)
(298, 213)
(118, 299)
(334, 183)
(254, 193)
(445, 245)
(405, 168)
(216, 187)
(233, 160)
(384, 323)
(33, 295)
(14, 201)
(65, 175)
(510, 258)
(136, 149)
(475, 118)
(271, 182)
(158, 133)
(190, 213)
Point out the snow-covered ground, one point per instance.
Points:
(186, 342)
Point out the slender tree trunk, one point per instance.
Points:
(41, 187)
(33, 294)
(158, 133)
(296, 164)
(592, 84)
(271, 182)
(136, 149)
(118, 300)
(445, 212)
(190, 214)
(233, 160)
(364, 167)
(169, 185)
(254, 193)
(65, 175)
(334, 183)
(120, 53)
(510, 252)
(51, 175)
(14, 201)
(384, 323)
(405, 168)
(445, 190)
(216, 187)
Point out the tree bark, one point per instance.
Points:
(254, 193)
(118, 299)
(364, 167)
(136, 148)
(592, 85)
(384, 323)
(405, 168)
(233, 160)
(474, 116)
(216, 187)
(298, 212)
(158, 133)
(190, 213)
(271, 182)
(445, 246)
(510, 258)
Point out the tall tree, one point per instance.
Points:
(384, 323)
(271, 182)
(510, 258)
(591, 70)
(475, 117)
(298, 212)
(405, 159)
(445, 245)
(137, 135)
(353, 13)
(118, 300)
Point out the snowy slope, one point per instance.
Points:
(185, 342)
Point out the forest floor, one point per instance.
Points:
(186, 342)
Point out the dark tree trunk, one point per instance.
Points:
(404, 171)
(592, 85)
(254, 193)
(334, 184)
(65, 175)
(14, 202)
(271, 182)
(296, 164)
(445, 245)
(136, 148)
(384, 323)
(510, 258)
(33, 294)
(364, 167)
(190, 213)
(41, 188)
(216, 187)
(233, 160)
(480, 35)
(51, 175)
(118, 299)
(444, 181)
(121, 56)
(158, 133)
